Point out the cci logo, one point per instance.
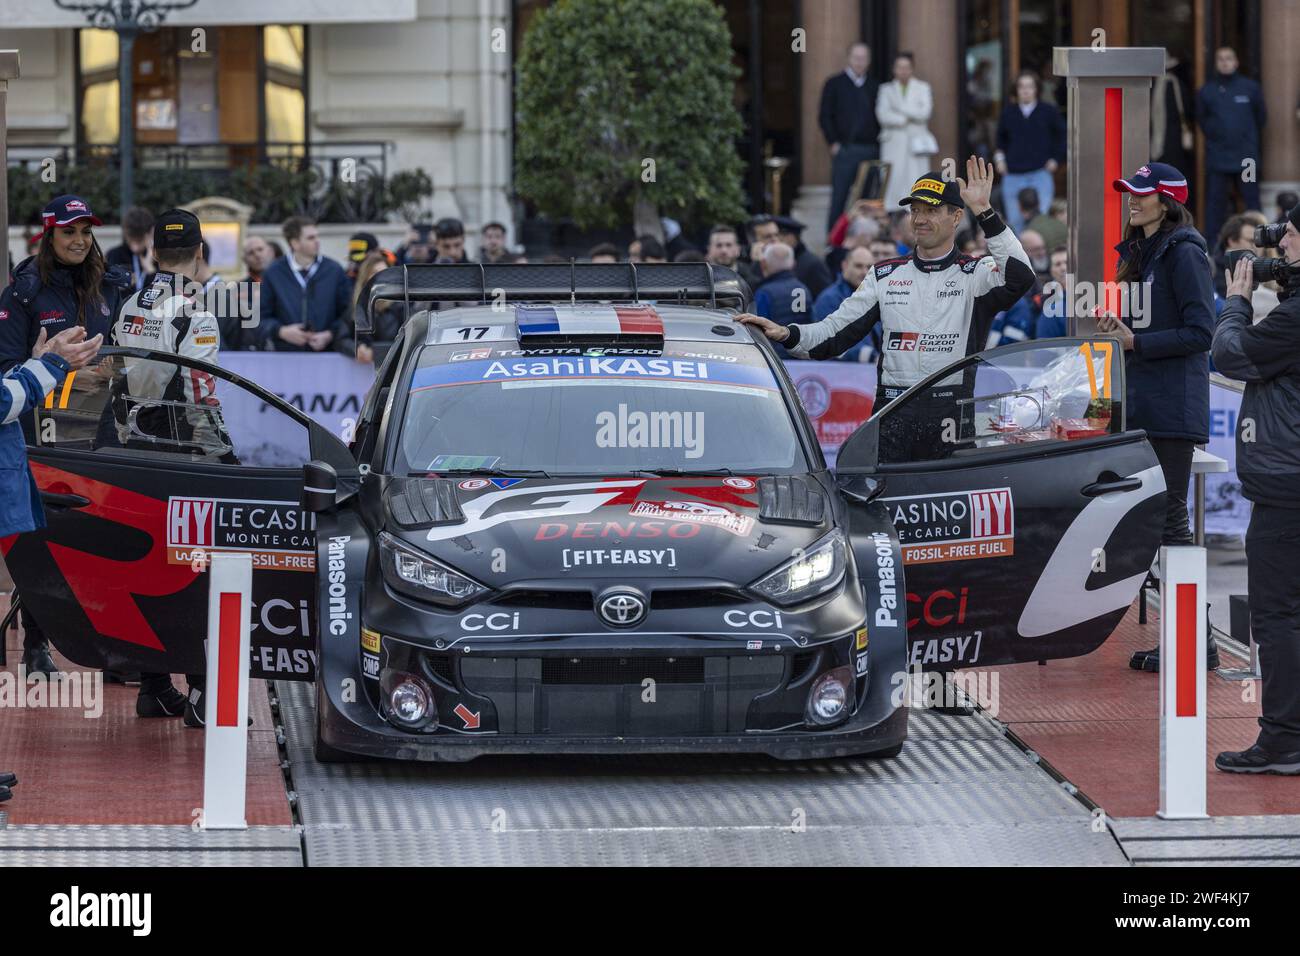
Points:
(752, 618)
(500, 621)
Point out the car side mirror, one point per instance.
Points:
(320, 486)
(860, 488)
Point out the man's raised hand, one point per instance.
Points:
(977, 187)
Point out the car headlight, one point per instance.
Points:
(418, 575)
(814, 572)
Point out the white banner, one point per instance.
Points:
(329, 387)
(1226, 511)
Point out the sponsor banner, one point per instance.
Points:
(329, 388)
(279, 535)
(695, 511)
(837, 397)
(955, 526)
(1226, 511)
(591, 367)
(618, 557)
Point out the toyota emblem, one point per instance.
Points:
(622, 608)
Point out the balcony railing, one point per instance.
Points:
(329, 181)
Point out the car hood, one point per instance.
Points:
(505, 531)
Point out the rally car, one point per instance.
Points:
(583, 511)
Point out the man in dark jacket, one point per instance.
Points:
(1230, 109)
(305, 297)
(808, 266)
(1031, 145)
(781, 297)
(133, 254)
(1266, 356)
(848, 121)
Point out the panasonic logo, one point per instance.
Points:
(885, 581)
(338, 594)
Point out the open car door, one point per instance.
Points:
(138, 483)
(1027, 514)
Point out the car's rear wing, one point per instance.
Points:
(687, 283)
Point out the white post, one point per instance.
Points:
(1182, 684)
(225, 754)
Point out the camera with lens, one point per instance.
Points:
(1284, 273)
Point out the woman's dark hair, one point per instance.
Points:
(87, 278)
(1176, 214)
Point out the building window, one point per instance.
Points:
(243, 88)
(284, 50)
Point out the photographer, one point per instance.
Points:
(1266, 356)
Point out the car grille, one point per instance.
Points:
(635, 670)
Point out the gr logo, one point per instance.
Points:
(758, 618)
(500, 621)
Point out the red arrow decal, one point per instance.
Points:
(469, 717)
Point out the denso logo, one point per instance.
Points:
(500, 621)
(903, 282)
(752, 618)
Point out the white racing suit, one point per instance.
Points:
(161, 318)
(931, 313)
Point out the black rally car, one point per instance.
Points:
(584, 512)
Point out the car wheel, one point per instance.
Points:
(887, 754)
(324, 753)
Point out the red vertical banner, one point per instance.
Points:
(231, 616)
(1185, 606)
(1113, 203)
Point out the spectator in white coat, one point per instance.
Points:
(906, 143)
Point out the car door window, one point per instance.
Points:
(1012, 396)
(160, 407)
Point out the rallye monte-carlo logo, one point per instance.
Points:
(280, 535)
(955, 526)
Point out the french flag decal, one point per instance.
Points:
(599, 321)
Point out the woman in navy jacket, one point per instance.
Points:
(66, 285)
(1166, 361)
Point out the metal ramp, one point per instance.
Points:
(960, 793)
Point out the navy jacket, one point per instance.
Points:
(848, 112)
(23, 388)
(1030, 141)
(324, 306)
(1231, 111)
(1168, 368)
(27, 306)
(784, 299)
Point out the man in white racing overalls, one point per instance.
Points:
(170, 406)
(166, 402)
(934, 307)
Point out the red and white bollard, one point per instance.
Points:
(1182, 684)
(225, 745)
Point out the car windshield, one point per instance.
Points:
(693, 407)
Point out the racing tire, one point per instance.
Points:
(324, 753)
(888, 754)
